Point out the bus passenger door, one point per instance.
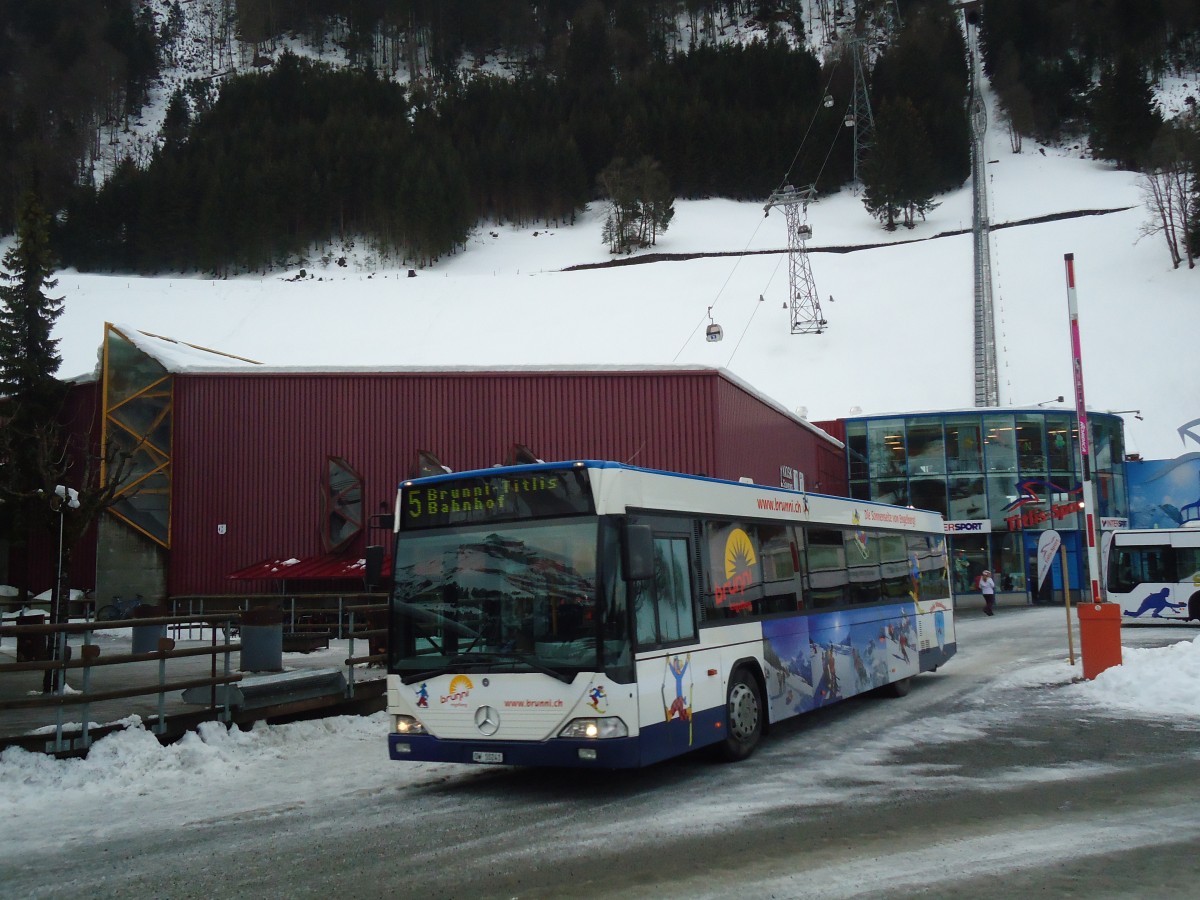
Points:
(665, 626)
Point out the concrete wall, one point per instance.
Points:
(127, 563)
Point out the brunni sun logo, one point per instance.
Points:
(460, 689)
(739, 566)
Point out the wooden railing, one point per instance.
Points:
(57, 664)
(302, 612)
(374, 616)
(214, 618)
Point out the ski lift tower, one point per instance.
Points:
(859, 116)
(806, 316)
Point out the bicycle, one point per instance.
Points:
(119, 609)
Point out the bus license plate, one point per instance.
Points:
(487, 756)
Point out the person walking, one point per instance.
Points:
(987, 587)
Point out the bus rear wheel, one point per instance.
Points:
(743, 717)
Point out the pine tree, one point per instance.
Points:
(178, 118)
(926, 65)
(1192, 225)
(1124, 121)
(899, 175)
(30, 396)
(28, 355)
(36, 457)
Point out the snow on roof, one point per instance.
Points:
(180, 356)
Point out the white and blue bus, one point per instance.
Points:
(596, 614)
(1154, 573)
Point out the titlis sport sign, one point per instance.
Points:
(969, 526)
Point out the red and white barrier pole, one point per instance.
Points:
(1090, 509)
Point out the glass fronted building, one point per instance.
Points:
(1000, 478)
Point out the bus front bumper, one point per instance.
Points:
(616, 753)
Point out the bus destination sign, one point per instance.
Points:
(497, 498)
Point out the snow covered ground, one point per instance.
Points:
(250, 767)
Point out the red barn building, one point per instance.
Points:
(243, 466)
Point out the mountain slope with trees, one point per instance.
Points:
(405, 124)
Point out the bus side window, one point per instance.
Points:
(862, 564)
(1170, 570)
(734, 568)
(1123, 577)
(779, 563)
(799, 557)
(827, 577)
(663, 606)
(1154, 567)
(1187, 564)
(1141, 565)
(645, 612)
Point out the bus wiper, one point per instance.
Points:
(495, 656)
(432, 619)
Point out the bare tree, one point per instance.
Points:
(67, 495)
(1168, 185)
(641, 204)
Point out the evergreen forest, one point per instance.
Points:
(439, 115)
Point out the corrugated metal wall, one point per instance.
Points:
(250, 449)
(756, 440)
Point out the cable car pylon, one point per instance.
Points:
(805, 305)
(859, 117)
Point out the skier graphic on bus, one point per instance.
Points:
(680, 707)
(1156, 604)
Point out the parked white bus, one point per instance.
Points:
(595, 614)
(1154, 573)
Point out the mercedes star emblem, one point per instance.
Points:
(487, 720)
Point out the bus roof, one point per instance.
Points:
(620, 488)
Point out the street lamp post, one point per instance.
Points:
(55, 679)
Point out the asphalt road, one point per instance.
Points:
(977, 784)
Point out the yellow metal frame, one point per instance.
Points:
(160, 457)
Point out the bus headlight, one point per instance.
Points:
(408, 725)
(597, 729)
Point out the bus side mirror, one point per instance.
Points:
(637, 560)
(374, 566)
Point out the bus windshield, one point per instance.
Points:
(513, 598)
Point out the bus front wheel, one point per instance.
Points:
(743, 717)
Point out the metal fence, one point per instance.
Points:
(36, 645)
(216, 621)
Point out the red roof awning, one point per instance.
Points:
(313, 568)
